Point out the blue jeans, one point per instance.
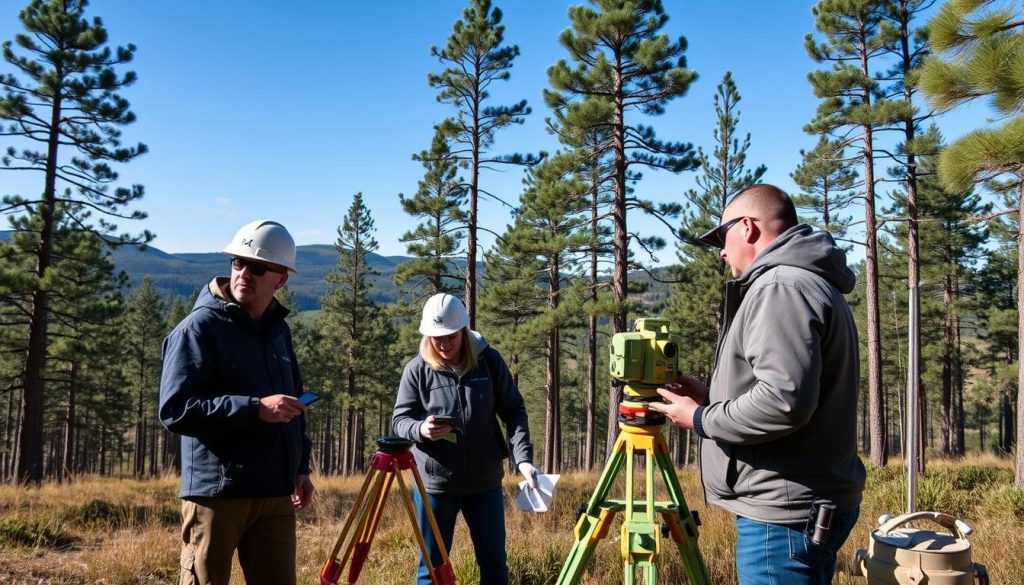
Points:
(485, 516)
(781, 554)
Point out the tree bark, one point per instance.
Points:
(1019, 467)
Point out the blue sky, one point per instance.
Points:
(284, 110)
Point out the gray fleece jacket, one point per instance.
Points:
(477, 399)
(780, 428)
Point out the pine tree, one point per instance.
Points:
(63, 97)
(695, 304)
(908, 47)
(438, 201)
(143, 331)
(826, 180)
(952, 249)
(85, 349)
(585, 127)
(997, 289)
(695, 301)
(552, 226)
(347, 324)
(854, 38)
(621, 56)
(473, 60)
(985, 43)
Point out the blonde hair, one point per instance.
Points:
(436, 363)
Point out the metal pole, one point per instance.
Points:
(913, 367)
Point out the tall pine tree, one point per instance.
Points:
(695, 304)
(348, 324)
(984, 42)
(473, 60)
(826, 182)
(434, 242)
(621, 55)
(552, 226)
(63, 97)
(853, 39)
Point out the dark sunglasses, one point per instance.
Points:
(255, 268)
(716, 236)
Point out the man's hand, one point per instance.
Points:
(280, 408)
(529, 473)
(433, 431)
(678, 409)
(682, 398)
(303, 492)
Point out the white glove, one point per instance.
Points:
(529, 473)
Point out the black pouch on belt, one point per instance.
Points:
(819, 521)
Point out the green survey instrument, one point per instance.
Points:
(641, 360)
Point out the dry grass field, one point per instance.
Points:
(125, 532)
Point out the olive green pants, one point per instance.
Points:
(262, 529)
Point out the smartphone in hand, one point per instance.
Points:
(307, 398)
(444, 419)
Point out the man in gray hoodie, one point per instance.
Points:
(778, 423)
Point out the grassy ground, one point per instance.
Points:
(125, 532)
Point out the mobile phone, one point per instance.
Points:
(307, 398)
(444, 419)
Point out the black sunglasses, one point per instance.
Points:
(716, 236)
(255, 268)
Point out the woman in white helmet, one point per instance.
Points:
(449, 402)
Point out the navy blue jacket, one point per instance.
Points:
(217, 363)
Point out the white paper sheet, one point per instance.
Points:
(537, 500)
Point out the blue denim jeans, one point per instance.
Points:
(782, 554)
(485, 516)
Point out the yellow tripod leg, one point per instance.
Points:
(360, 546)
(442, 574)
(332, 568)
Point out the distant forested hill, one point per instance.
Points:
(183, 274)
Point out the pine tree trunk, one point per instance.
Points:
(1019, 467)
(360, 440)
(30, 460)
(67, 457)
(876, 411)
(553, 423)
(620, 241)
(350, 440)
(591, 440)
(946, 413)
(342, 440)
(959, 416)
(471, 219)
(913, 246)
(7, 453)
(591, 406)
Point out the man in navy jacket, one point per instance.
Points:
(229, 387)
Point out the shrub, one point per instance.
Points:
(1005, 502)
(34, 533)
(104, 515)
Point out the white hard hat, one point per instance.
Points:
(263, 240)
(443, 315)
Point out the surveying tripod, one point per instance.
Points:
(392, 457)
(640, 537)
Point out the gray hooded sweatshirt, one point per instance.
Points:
(472, 463)
(780, 429)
